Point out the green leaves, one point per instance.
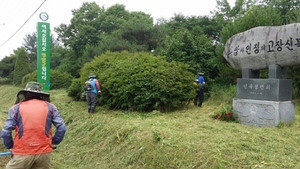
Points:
(59, 79)
(191, 47)
(141, 81)
(22, 66)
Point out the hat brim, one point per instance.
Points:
(37, 92)
(21, 96)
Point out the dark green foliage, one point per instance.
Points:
(69, 63)
(84, 27)
(192, 47)
(210, 26)
(75, 89)
(138, 81)
(190, 40)
(143, 83)
(114, 43)
(7, 65)
(227, 74)
(288, 9)
(94, 30)
(30, 45)
(57, 55)
(31, 77)
(22, 65)
(58, 79)
(254, 17)
(138, 30)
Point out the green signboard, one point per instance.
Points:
(43, 54)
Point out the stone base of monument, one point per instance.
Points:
(262, 113)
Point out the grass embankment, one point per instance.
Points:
(188, 138)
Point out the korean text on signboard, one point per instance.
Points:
(44, 54)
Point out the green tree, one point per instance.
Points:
(69, 63)
(192, 47)
(191, 40)
(114, 43)
(83, 32)
(159, 32)
(138, 31)
(57, 54)
(7, 65)
(22, 65)
(83, 29)
(288, 9)
(255, 16)
(94, 30)
(134, 35)
(113, 18)
(164, 28)
(30, 45)
(231, 13)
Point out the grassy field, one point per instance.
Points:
(185, 139)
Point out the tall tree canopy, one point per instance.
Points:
(192, 47)
(84, 28)
(94, 30)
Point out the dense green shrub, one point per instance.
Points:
(75, 89)
(31, 77)
(58, 79)
(138, 81)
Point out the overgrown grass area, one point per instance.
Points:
(188, 138)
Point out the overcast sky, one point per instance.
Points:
(15, 13)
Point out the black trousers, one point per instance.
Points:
(199, 98)
(92, 99)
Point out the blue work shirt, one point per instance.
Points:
(201, 81)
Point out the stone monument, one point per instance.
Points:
(264, 102)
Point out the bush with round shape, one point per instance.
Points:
(139, 82)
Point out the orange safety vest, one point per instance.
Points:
(33, 127)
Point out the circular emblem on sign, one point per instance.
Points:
(44, 16)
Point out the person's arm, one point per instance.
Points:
(98, 86)
(201, 82)
(60, 126)
(9, 126)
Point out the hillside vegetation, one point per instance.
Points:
(189, 138)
